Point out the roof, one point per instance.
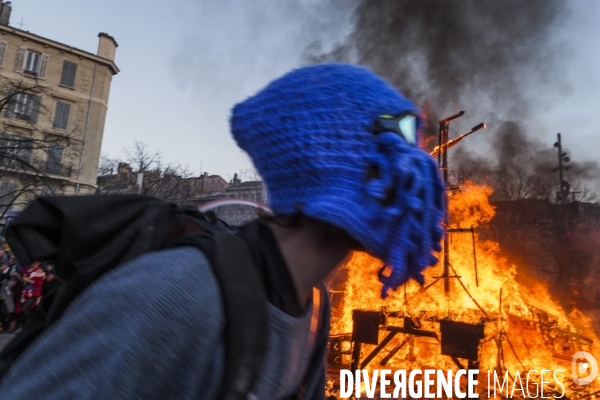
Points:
(65, 47)
(246, 185)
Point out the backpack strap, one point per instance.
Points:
(246, 316)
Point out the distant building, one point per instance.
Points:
(208, 187)
(121, 182)
(52, 124)
(191, 191)
(239, 214)
(250, 190)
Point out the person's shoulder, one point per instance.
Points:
(176, 264)
(129, 334)
(168, 281)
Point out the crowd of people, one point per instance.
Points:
(21, 288)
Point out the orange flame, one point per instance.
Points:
(525, 327)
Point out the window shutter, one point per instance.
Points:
(58, 115)
(10, 104)
(8, 191)
(64, 76)
(67, 77)
(20, 59)
(57, 152)
(3, 45)
(24, 151)
(48, 191)
(35, 109)
(54, 158)
(6, 147)
(43, 66)
(65, 115)
(61, 118)
(72, 72)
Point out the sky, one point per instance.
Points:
(185, 63)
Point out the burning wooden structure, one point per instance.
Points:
(471, 313)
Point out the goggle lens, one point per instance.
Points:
(404, 125)
(408, 127)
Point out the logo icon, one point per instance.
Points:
(580, 368)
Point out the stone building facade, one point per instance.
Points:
(189, 191)
(250, 190)
(53, 104)
(166, 185)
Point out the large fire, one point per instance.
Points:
(525, 328)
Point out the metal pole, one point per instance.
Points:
(499, 341)
(475, 257)
(355, 356)
(443, 163)
(444, 166)
(560, 171)
(563, 221)
(201, 185)
(440, 143)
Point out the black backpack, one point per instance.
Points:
(86, 236)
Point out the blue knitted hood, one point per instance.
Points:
(310, 135)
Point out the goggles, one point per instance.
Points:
(404, 124)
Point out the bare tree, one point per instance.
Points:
(546, 237)
(107, 165)
(169, 182)
(249, 175)
(140, 158)
(31, 159)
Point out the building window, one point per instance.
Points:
(54, 158)
(61, 116)
(68, 74)
(24, 106)
(32, 63)
(8, 191)
(3, 47)
(16, 151)
(47, 191)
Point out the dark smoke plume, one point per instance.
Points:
(498, 60)
(501, 62)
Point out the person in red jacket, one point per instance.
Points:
(31, 291)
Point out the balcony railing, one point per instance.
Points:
(33, 74)
(58, 169)
(36, 167)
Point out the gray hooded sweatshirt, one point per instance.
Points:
(153, 329)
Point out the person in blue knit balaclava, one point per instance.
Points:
(337, 148)
(338, 144)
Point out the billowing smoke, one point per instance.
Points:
(498, 60)
(501, 62)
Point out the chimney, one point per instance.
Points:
(124, 169)
(107, 46)
(5, 9)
